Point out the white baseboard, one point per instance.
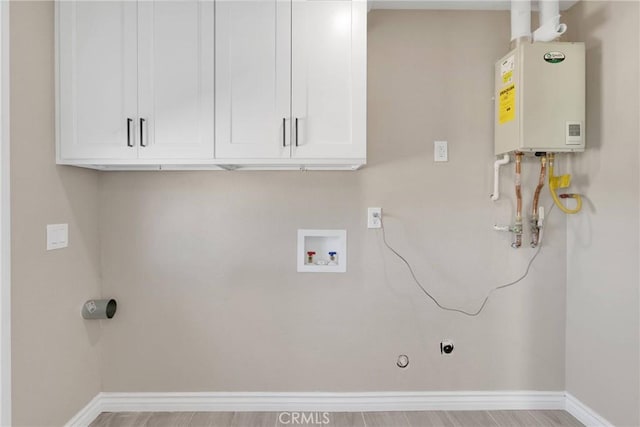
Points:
(584, 414)
(332, 402)
(312, 401)
(87, 414)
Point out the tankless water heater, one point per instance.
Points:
(540, 98)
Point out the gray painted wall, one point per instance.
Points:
(56, 358)
(203, 264)
(603, 323)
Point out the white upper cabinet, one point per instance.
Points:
(135, 81)
(175, 79)
(329, 79)
(291, 80)
(182, 84)
(97, 86)
(253, 89)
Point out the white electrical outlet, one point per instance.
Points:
(440, 151)
(374, 218)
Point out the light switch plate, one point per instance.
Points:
(440, 151)
(57, 236)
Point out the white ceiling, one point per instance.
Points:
(455, 4)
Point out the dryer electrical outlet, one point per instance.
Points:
(540, 98)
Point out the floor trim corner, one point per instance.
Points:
(583, 413)
(87, 414)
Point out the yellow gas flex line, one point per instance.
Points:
(562, 181)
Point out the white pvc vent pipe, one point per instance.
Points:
(520, 19)
(496, 176)
(550, 26)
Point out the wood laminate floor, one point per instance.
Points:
(339, 419)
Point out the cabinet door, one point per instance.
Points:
(176, 79)
(96, 79)
(329, 78)
(253, 68)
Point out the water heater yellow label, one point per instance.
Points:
(507, 105)
(506, 69)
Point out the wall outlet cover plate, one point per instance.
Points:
(57, 236)
(374, 218)
(440, 151)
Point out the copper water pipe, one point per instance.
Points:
(543, 172)
(518, 186)
(518, 225)
(535, 228)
